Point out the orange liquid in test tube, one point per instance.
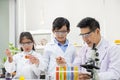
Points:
(27, 56)
(65, 73)
(57, 73)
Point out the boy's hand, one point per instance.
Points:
(61, 61)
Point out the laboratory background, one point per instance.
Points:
(36, 16)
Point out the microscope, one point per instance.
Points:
(92, 64)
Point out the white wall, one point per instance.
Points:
(12, 21)
(39, 14)
(112, 18)
(4, 26)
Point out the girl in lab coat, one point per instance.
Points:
(59, 51)
(27, 63)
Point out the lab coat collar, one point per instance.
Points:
(102, 49)
(57, 49)
(100, 42)
(30, 52)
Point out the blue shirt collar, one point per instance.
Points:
(66, 42)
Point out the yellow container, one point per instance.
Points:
(117, 41)
(21, 78)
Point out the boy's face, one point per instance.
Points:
(61, 34)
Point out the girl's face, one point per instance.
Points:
(26, 44)
(61, 34)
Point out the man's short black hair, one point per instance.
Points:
(90, 23)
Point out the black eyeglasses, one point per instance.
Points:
(86, 34)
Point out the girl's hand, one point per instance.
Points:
(33, 59)
(9, 55)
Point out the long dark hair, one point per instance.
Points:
(28, 35)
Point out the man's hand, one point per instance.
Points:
(61, 61)
(84, 76)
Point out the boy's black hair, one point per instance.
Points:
(59, 22)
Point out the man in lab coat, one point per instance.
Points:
(109, 54)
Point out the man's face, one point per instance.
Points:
(89, 36)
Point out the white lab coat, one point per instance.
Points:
(109, 55)
(23, 67)
(52, 51)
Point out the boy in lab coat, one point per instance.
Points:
(59, 50)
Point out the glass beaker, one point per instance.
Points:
(8, 76)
